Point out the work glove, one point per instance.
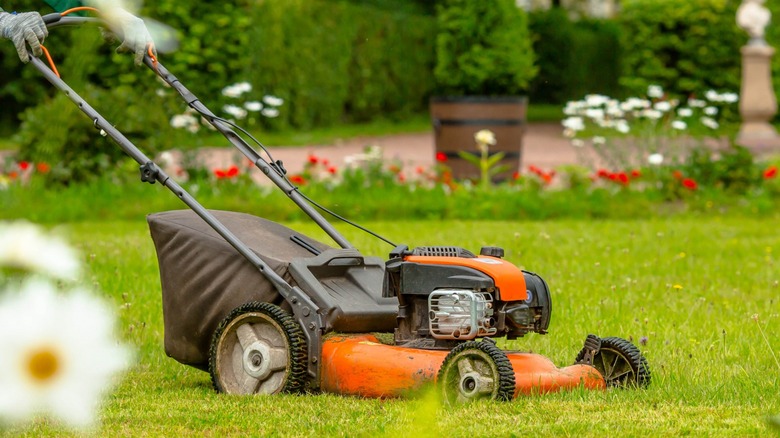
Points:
(22, 29)
(135, 36)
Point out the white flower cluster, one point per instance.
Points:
(651, 121)
(268, 106)
(372, 154)
(58, 356)
(611, 114)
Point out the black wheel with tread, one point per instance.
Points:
(476, 370)
(619, 361)
(258, 349)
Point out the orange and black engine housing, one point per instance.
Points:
(448, 295)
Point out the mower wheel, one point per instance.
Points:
(258, 349)
(619, 361)
(476, 370)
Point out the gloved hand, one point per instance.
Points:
(135, 36)
(22, 29)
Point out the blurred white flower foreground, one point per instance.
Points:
(24, 246)
(58, 355)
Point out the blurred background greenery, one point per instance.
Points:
(346, 62)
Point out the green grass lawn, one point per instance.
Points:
(690, 287)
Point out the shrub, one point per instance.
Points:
(574, 57)
(683, 45)
(482, 48)
(331, 62)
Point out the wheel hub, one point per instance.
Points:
(469, 385)
(256, 360)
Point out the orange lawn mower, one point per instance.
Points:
(266, 310)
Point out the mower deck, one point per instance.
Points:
(360, 365)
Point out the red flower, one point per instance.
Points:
(325, 162)
(394, 169)
(297, 179)
(622, 178)
(42, 167)
(547, 177)
(420, 170)
(636, 173)
(689, 184)
(232, 171)
(24, 165)
(220, 174)
(603, 173)
(516, 175)
(313, 159)
(13, 175)
(770, 172)
(332, 170)
(441, 157)
(677, 174)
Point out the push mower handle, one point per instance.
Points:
(56, 19)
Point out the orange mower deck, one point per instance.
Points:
(362, 366)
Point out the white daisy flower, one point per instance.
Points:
(711, 111)
(655, 91)
(685, 112)
(655, 159)
(180, 121)
(573, 123)
(663, 106)
(235, 111)
(594, 113)
(679, 125)
(273, 100)
(270, 112)
(231, 91)
(599, 140)
(730, 97)
(59, 355)
(697, 103)
(622, 126)
(253, 106)
(24, 246)
(236, 90)
(709, 122)
(596, 99)
(573, 107)
(485, 137)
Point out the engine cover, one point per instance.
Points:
(460, 314)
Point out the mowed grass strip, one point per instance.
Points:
(699, 297)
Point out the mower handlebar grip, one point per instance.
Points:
(52, 18)
(57, 20)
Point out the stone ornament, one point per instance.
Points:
(753, 17)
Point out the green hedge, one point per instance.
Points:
(686, 46)
(575, 58)
(332, 61)
(482, 48)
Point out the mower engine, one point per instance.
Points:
(448, 295)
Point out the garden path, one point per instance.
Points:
(543, 146)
